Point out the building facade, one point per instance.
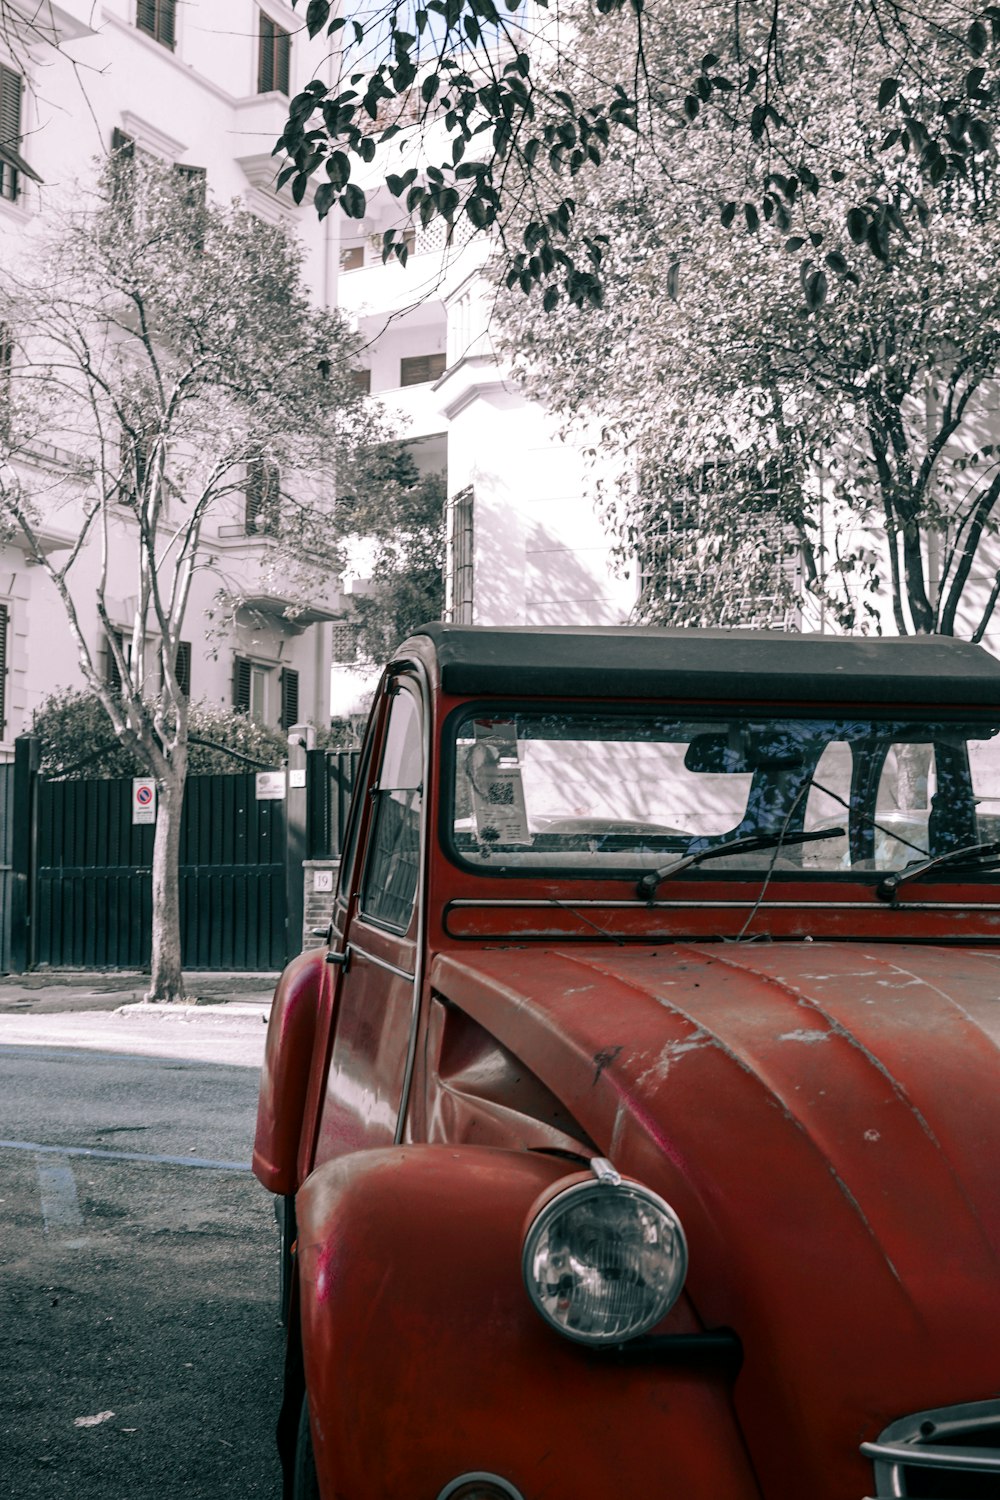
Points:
(203, 87)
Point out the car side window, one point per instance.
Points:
(389, 882)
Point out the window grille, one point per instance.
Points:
(420, 368)
(362, 381)
(692, 575)
(460, 546)
(182, 667)
(343, 644)
(158, 19)
(273, 58)
(263, 492)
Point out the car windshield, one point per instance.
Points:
(592, 793)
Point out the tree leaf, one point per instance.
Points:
(353, 202)
(317, 13)
(888, 89)
(816, 289)
(857, 224)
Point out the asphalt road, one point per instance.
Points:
(140, 1352)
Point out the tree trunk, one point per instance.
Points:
(166, 980)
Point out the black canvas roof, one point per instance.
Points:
(645, 662)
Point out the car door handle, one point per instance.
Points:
(342, 960)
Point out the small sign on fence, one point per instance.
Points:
(143, 799)
(270, 786)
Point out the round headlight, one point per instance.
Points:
(604, 1261)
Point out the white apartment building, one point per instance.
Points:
(203, 85)
(524, 544)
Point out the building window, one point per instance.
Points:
(460, 548)
(182, 667)
(250, 689)
(420, 368)
(273, 58)
(263, 492)
(4, 632)
(112, 676)
(352, 257)
(135, 457)
(195, 180)
(362, 381)
(6, 365)
(12, 163)
(157, 18)
(122, 161)
(289, 697)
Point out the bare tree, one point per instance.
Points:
(164, 352)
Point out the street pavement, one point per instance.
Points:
(142, 1352)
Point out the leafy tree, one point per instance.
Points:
(163, 350)
(510, 116)
(74, 718)
(400, 512)
(857, 417)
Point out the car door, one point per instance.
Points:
(375, 1014)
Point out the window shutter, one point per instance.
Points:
(265, 64)
(273, 57)
(421, 368)
(282, 59)
(10, 108)
(157, 18)
(122, 144)
(166, 22)
(262, 489)
(145, 16)
(112, 676)
(241, 685)
(4, 619)
(10, 133)
(289, 698)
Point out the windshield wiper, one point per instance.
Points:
(651, 879)
(973, 854)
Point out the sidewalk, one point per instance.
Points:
(223, 1020)
(59, 990)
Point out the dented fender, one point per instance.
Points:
(284, 1080)
(420, 1345)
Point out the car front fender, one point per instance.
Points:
(424, 1359)
(284, 1079)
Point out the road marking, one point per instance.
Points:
(60, 1207)
(170, 1161)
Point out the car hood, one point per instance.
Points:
(825, 1119)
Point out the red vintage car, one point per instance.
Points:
(637, 1132)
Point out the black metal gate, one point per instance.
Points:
(93, 887)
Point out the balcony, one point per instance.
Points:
(257, 582)
(416, 407)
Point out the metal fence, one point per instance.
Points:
(76, 869)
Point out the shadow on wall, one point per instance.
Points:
(527, 574)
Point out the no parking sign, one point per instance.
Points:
(143, 799)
